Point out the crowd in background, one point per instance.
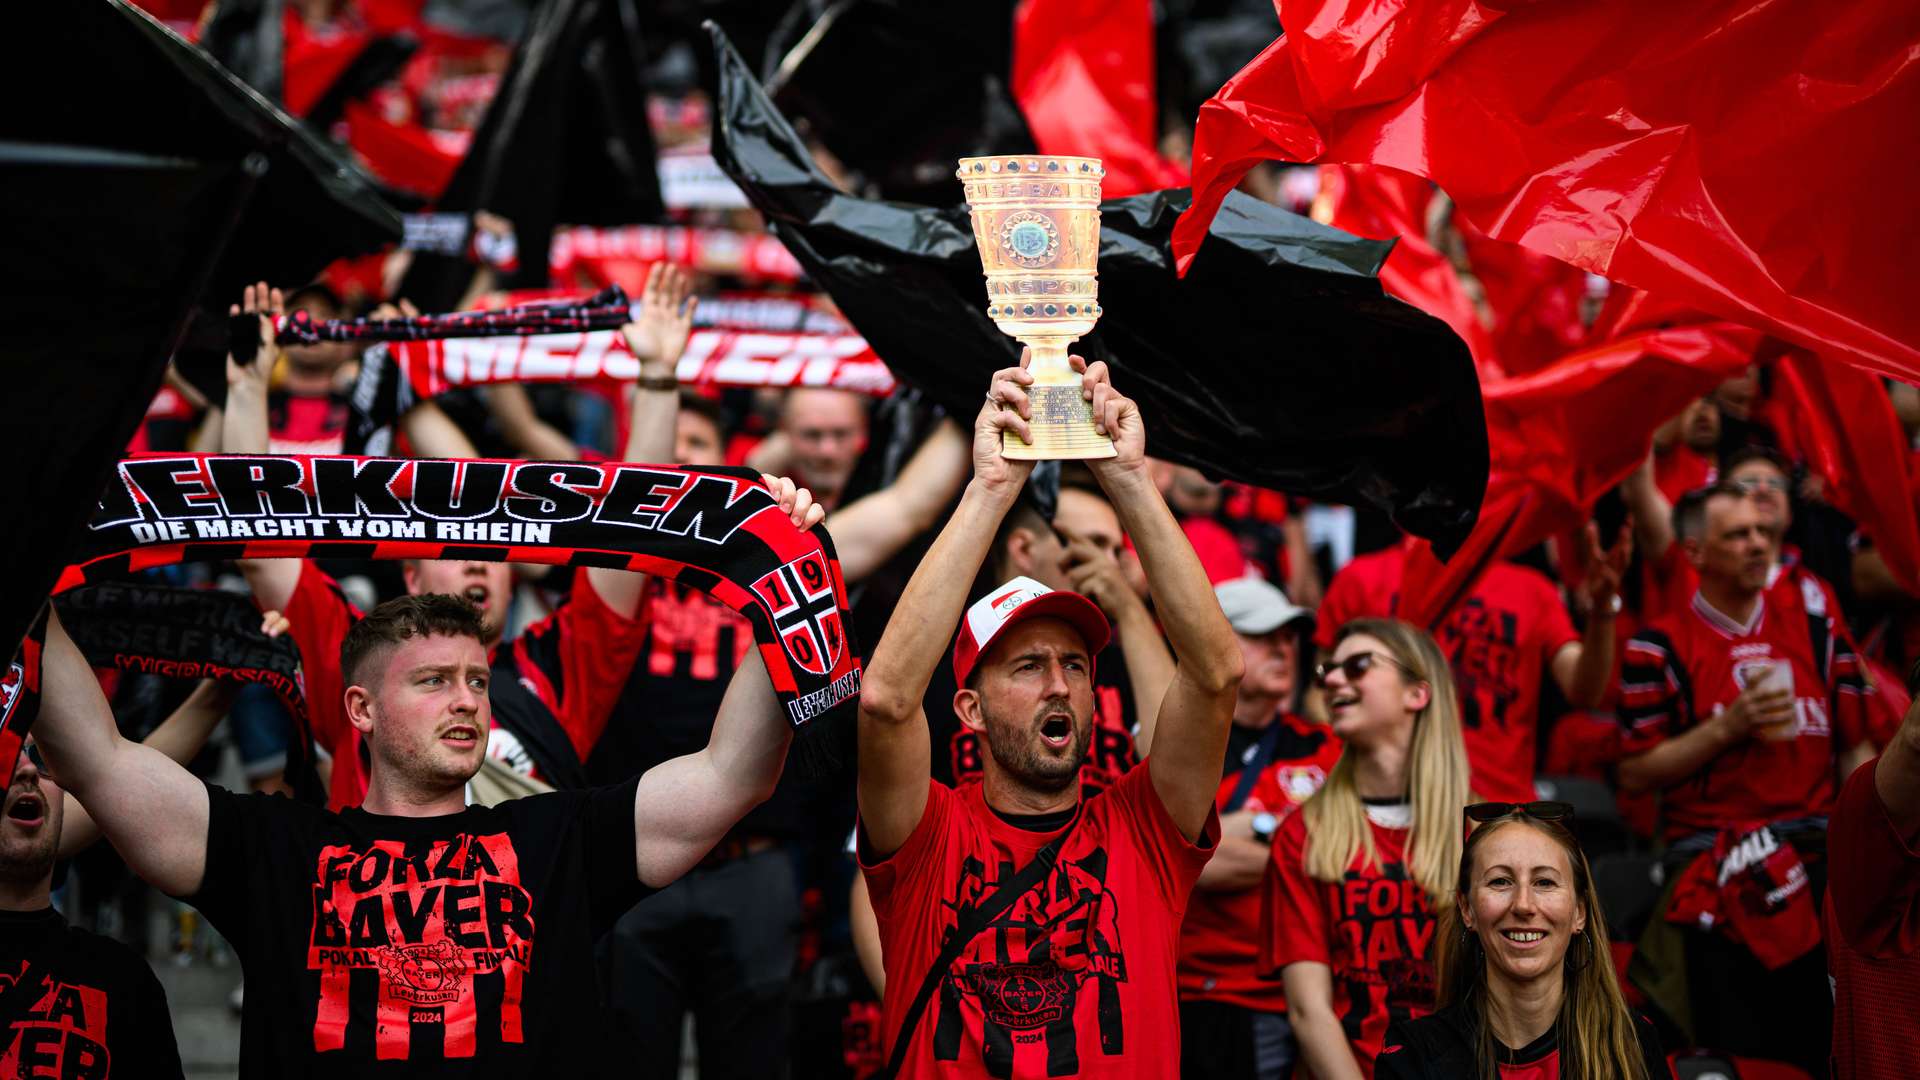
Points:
(1696, 674)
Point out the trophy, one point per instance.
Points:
(1036, 221)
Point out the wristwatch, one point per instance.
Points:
(1264, 826)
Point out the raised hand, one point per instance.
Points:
(795, 501)
(1606, 568)
(268, 304)
(659, 336)
(1115, 415)
(273, 624)
(1007, 409)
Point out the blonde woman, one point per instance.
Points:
(1526, 983)
(1347, 917)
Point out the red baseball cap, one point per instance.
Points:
(1019, 599)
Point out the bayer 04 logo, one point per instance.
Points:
(1030, 238)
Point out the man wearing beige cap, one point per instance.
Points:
(1027, 931)
(1234, 1023)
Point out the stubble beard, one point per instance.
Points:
(1017, 749)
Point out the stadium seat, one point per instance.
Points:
(1628, 887)
(1596, 816)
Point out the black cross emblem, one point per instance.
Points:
(808, 610)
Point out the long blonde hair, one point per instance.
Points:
(1597, 1040)
(1437, 781)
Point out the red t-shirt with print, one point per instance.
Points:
(575, 661)
(1077, 978)
(1374, 929)
(1218, 953)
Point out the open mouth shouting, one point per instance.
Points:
(1057, 731)
(29, 810)
(479, 596)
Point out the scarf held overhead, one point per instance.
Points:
(716, 529)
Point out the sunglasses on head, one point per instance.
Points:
(1539, 811)
(1353, 667)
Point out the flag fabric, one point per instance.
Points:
(1738, 156)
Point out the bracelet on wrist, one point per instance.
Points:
(660, 383)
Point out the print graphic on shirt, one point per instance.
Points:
(1110, 754)
(800, 597)
(1384, 931)
(64, 1034)
(431, 918)
(688, 623)
(1482, 648)
(1027, 970)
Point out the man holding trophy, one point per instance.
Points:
(1027, 932)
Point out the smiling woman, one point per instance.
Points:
(1526, 984)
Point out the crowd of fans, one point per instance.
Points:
(1651, 748)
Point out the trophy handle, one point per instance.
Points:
(1062, 420)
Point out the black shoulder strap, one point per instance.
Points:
(18, 998)
(967, 926)
(1257, 764)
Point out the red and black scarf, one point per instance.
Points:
(716, 529)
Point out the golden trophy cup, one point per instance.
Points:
(1036, 221)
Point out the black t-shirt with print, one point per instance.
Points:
(98, 1011)
(458, 945)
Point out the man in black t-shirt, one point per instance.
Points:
(414, 933)
(71, 1003)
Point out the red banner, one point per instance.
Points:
(1738, 156)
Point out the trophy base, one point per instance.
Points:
(1062, 427)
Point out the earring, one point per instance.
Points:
(1586, 954)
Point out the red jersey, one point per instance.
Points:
(1076, 979)
(1374, 930)
(1218, 954)
(1500, 643)
(306, 423)
(574, 662)
(1873, 935)
(1684, 668)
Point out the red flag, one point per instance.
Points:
(405, 155)
(1845, 427)
(1083, 75)
(1387, 204)
(1560, 437)
(1748, 158)
(1534, 300)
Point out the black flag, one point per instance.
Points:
(1278, 362)
(140, 178)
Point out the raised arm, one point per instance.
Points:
(1190, 732)
(179, 737)
(244, 430)
(152, 808)
(656, 339)
(1652, 513)
(1584, 670)
(895, 751)
(872, 529)
(684, 806)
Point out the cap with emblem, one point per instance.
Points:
(1017, 600)
(1254, 607)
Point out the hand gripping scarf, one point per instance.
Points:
(716, 529)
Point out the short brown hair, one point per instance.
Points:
(406, 617)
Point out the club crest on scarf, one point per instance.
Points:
(10, 685)
(800, 597)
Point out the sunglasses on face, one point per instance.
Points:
(1750, 485)
(1539, 811)
(1353, 667)
(39, 762)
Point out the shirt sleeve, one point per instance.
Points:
(154, 1050)
(613, 872)
(1874, 876)
(1293, 923)
(900, 872)
(578, 659)
(246, 835)
(1650, 697)
(1175, 861)
(320, 616)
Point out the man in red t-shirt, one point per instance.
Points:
(1501, 640)
(1071, 968)
(1873, 911)
(1232, 1021)
(1686, 449)
(1735, 710)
